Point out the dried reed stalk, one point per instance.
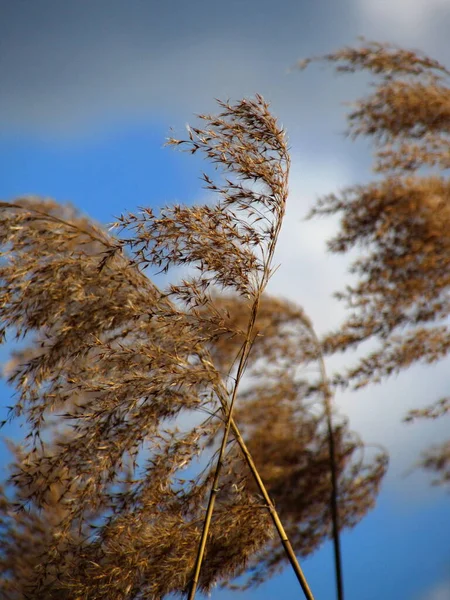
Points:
(260, 142)
(334, 495)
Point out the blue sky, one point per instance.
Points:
(89, 91)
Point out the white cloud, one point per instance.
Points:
(308, 275)
(411, 20)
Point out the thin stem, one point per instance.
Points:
(264, 493)
(231, 424)
(214, 486)
(240, 370)
(335, 513)
(273, 513)
(333, 471)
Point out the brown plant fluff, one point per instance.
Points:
(117, 376)
(400, 221)
(282, 416)
(152, 551)
(292, 455)
(118, 361)
(146, 543)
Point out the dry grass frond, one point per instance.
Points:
(386, 60)
(231, 243)
(437, 460)
(109, 354)
(434, 411)
(111, 362)
(116, 377)
(400, 223)
(236, 241)
(408, 114)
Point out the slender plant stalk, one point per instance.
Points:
(327, 395)
(214, 487)
(274, 514)
(269, 503)
(229, 420)
(230, 423)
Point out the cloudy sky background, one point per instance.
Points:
(88, 92)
